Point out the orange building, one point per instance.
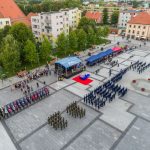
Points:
(9, 9)
(139, 26)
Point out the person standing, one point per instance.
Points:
(110, 72)
(37, 84)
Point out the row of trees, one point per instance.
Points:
(113, 19)
(18, 48)
(48, 5)
(82, 38)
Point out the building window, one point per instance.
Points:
(7, 22)
(129, 31)
(57, 29)
(130, 26)
(134, 26)
(133, 31)
(41, 17)
(42, 30)
(143, 33)
(144, 27)
(139, 27)
(138, 32)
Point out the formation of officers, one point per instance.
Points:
(75, 110)
(139, 66)
(57, 121)
(106, 92)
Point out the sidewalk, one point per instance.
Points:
(5, 141)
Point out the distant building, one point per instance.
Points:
(74, 16)
(9, 9)
(124, 17)
(139, 26)
(53, 24)
(4, 22)
(31, 14)
(96, 16)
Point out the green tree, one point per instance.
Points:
(82, 39)
(114, 17)
(73, 41)
(91, 37)
(85, 23)
(105, 31)
(105, 16)
(9, 54)
(46, 5)
(45, 50)
(31, 55)
(21, 33)
(3, 33)
(62, 44)
(72, 3)
(135, 4)
(101, 33)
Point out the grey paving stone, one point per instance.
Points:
(139, 53)
(48, 79)
(141, 104)
(30, 119)
(120, 60)
(49, 139)
(5, 141)
(121, 66)
(127, 63)
(6, 95)
(137, 138)
(115, 114)
(99, 136)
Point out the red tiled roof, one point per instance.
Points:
(31, 14)
(9, 9)
(141, 18)
(94, 15)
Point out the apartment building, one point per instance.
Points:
(139, 26)
(53, 24)
(74, 17)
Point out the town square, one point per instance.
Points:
(74, 75)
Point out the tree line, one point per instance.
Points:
(85, 36)
(47, 5)
(20, 49)
(113, 19)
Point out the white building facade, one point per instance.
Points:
(124, 17)
(4, 22)
(53, 24)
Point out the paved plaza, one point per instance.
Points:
(123, 124)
